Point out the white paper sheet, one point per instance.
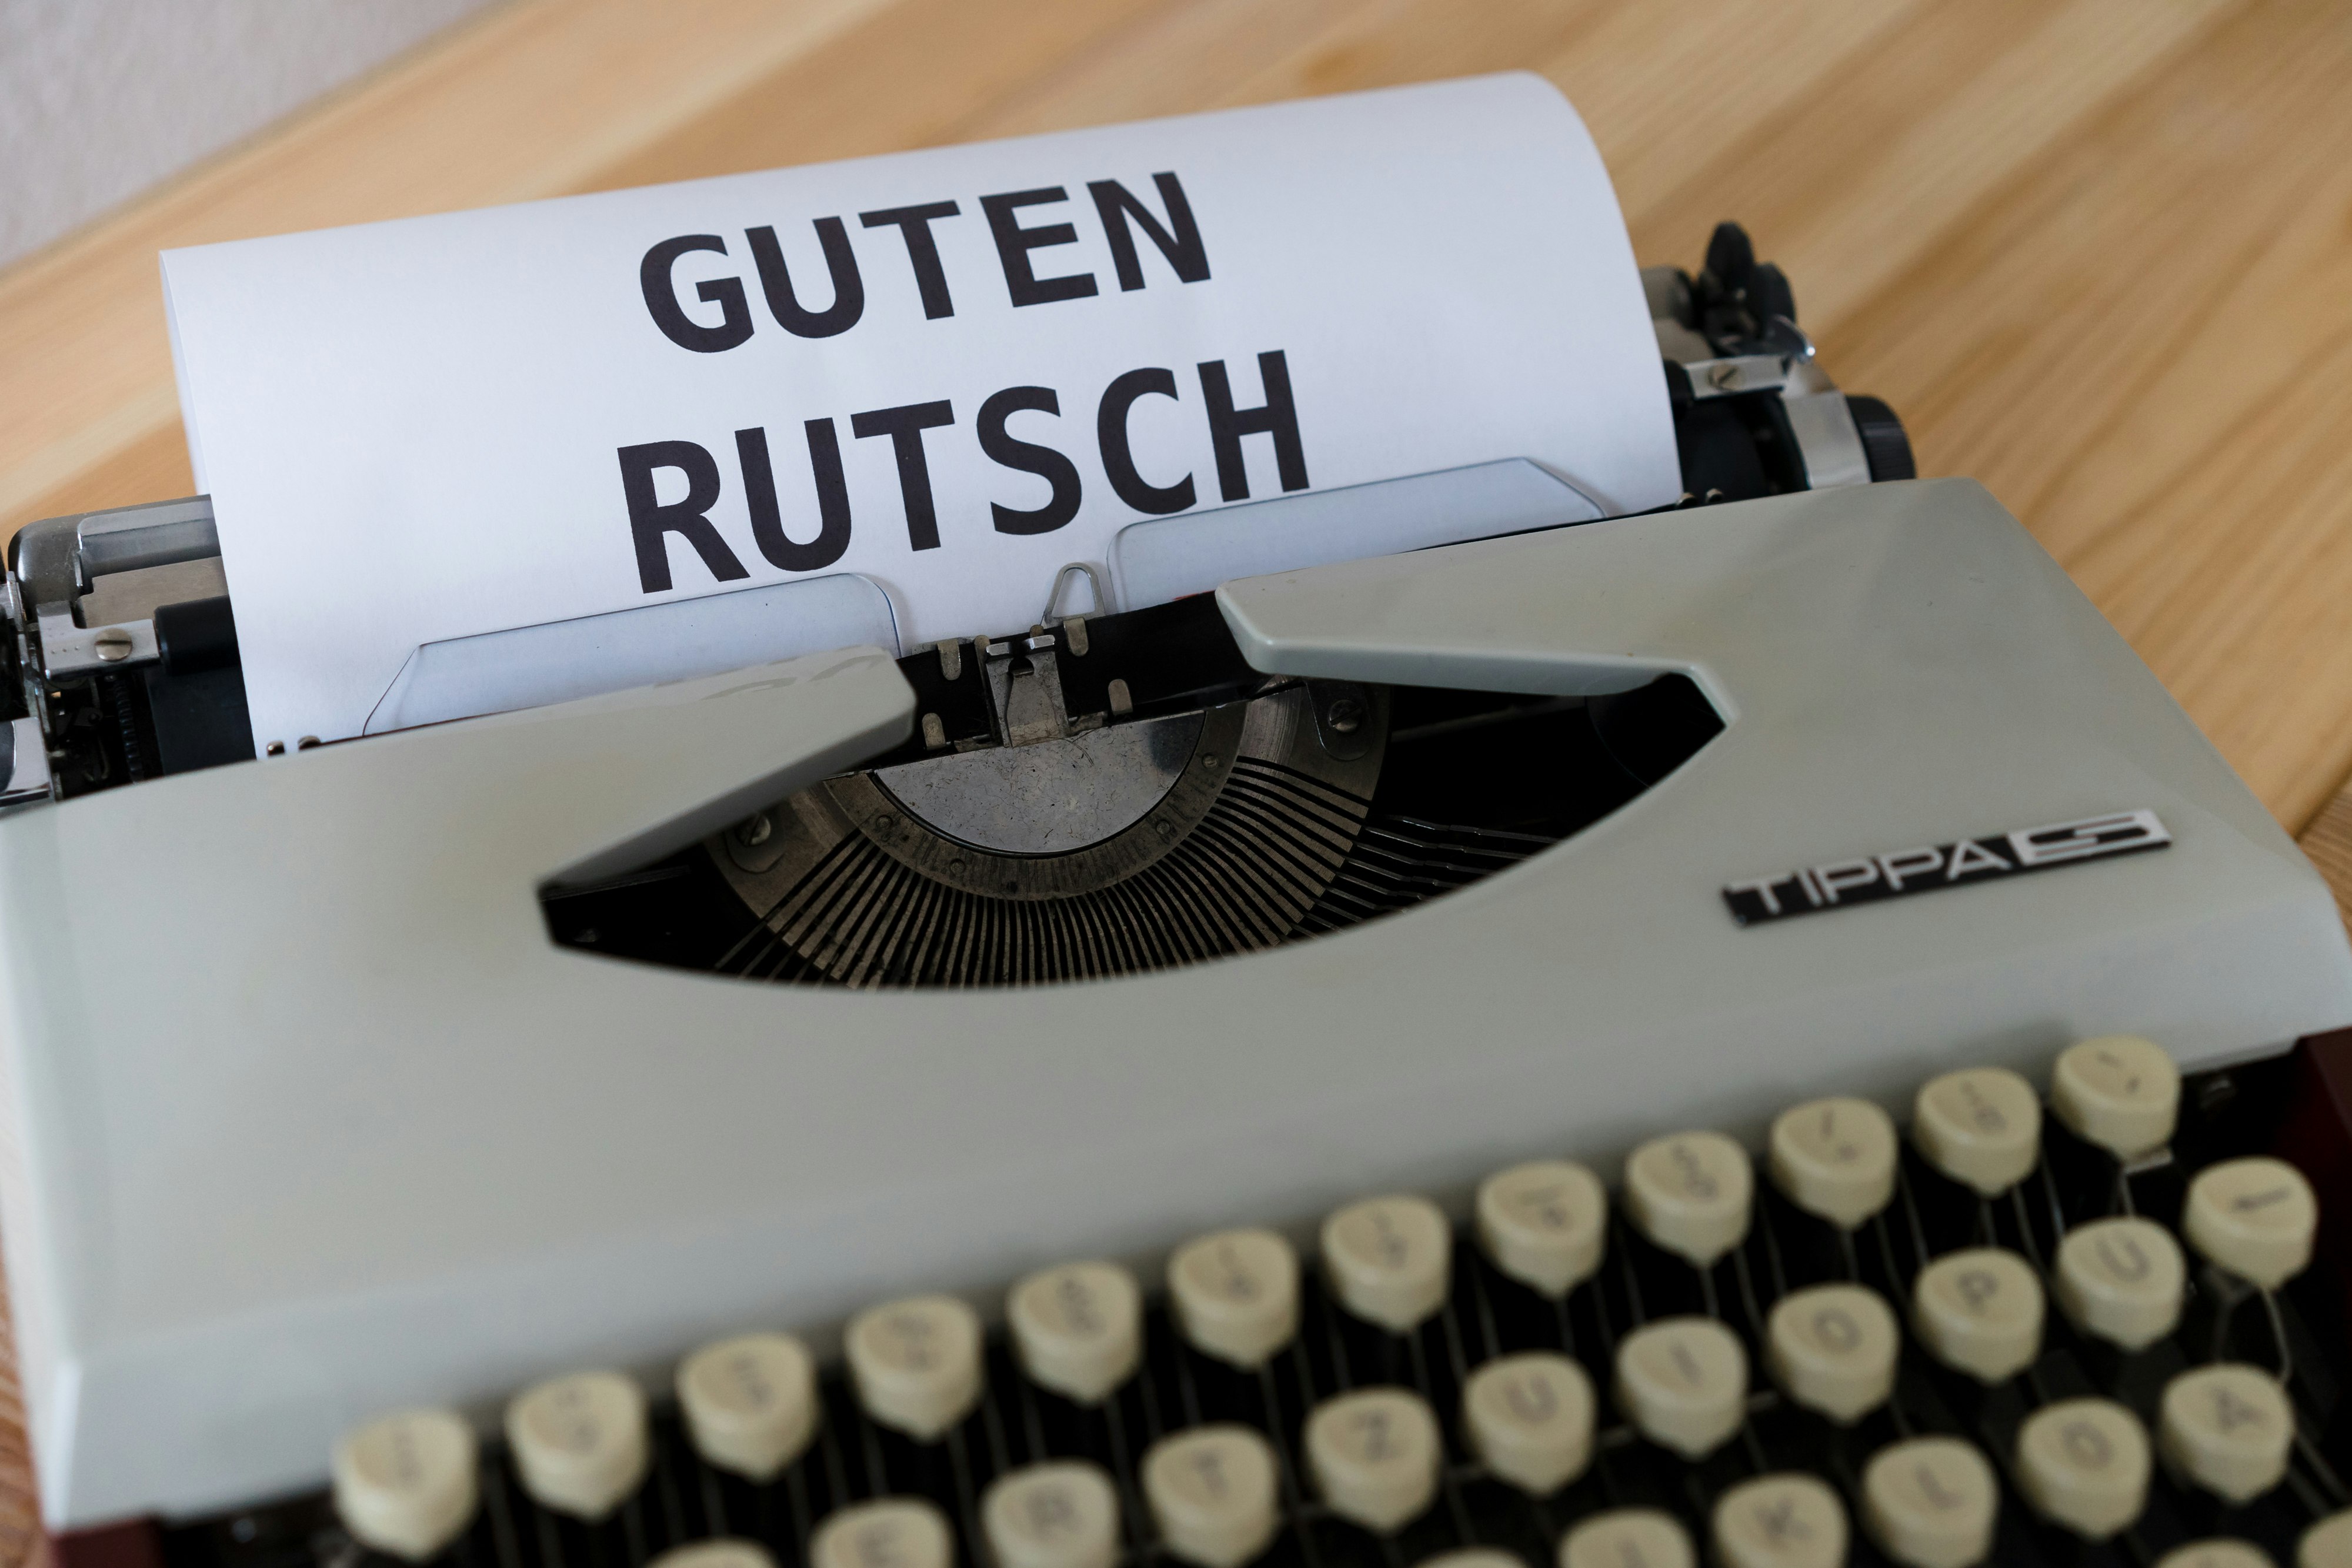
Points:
(432, 428)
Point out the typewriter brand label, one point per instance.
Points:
(1900, 873)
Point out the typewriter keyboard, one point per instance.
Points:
(2069, 1322)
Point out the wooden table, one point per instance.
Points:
(2098, 253)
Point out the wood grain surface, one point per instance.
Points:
(2098, 253)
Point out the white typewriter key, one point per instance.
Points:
(1691, 1193)
(915, 1362)
(1529, 1418)
(1982, 1127)
(2083, 1463)
(580, 1441)
(1079, 1328)
(2122, 1279)
(1390, 1260)
(1474, 1557)
(1683, 1383)
(1628, 1537)
(1979, 1311)
(722, 1553)
(1836, 1158)
(1544, 1223)
(1059, 1515)
(2327, 1545)
(2255, 1217)
(2226, 1429)
(405, 1484)
(749, 1403)
(1212, 1491)
(1931, 1502)
(1375, 1455)
(1834, 1349)
(2119, 1091)
(1788, 1520)
(891, 1532)
(1236, 1293)
(2216, 1555)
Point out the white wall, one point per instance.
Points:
(101, 99)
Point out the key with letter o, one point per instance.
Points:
(580, 1442)
(890, 1533)
(1787, 1521)
(2255, 1218)
(1835, 1159)
(1692, 1194)
(1683, 1383)
(1061, 1514)
(1931, 1502)
(1212, 1491)
(1390, 1260)
(405, 1484)
(916, 1363)
(2226, 1428)
(2122, 1279)
(1375, 1453)
(2083, 1463)
(1529, 1418)
(1979, 1311)
(749, 1403)
(1982, 1127)
(1236, 1295)
(1079, 1328)
(1834, 1349)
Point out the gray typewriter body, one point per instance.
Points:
(358, 1135)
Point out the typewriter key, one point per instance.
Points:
(1059, 1515)
(1931, 1502)
(2119, 1091)
(2216, 1555)
(404, 1484)
(1390, 1260)
(715, 1554)
(1683, 1383)
(1789, 1520)
(1079, 1327)
(2255, 1217)
(1980, 1313)
(2084, 1464)
(1375, 1455)
(2327, 1545)
(1544, 1223)
(2122, 1279)
(916, 1363)
(749, 1403)
(1836, 1158)
(1982, 1127)
(2226, 1428)
(1235, 1294)
(1474, 1557)
(1628, 1537)
(1834, 1349)
(893, 1533)
(580, 1441)
(1212, 1491)
(1691, 1193)
(1529, 1418)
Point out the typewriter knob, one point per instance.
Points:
(749, 1403)
(1835, 1159)
(1683, 1383)
(1375, 1455)
(1979, 1311)
(1692, 1194)
(580, 1441)
(1079, 1327)
(1834, 1347)
(1931, 1502)
(1235, 1294)
(1789, 1520)
(1529, 1418)
(1544, 1223)
(2084, 1464)
(1634, 1535)
(1982, 1127)
(2226, 1428)
(1212, 1491)
(2255, 1218)
(903, 1532)
(1059, 1515)
(2123, 1280)
(916, 1363)
(2119, 1091)
(1390, 1260)
(405, 1484)
(2327, 1545)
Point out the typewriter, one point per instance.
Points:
(1754, 1033)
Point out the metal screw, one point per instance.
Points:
(756, 832)
(113, 645)
(1345, 716)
